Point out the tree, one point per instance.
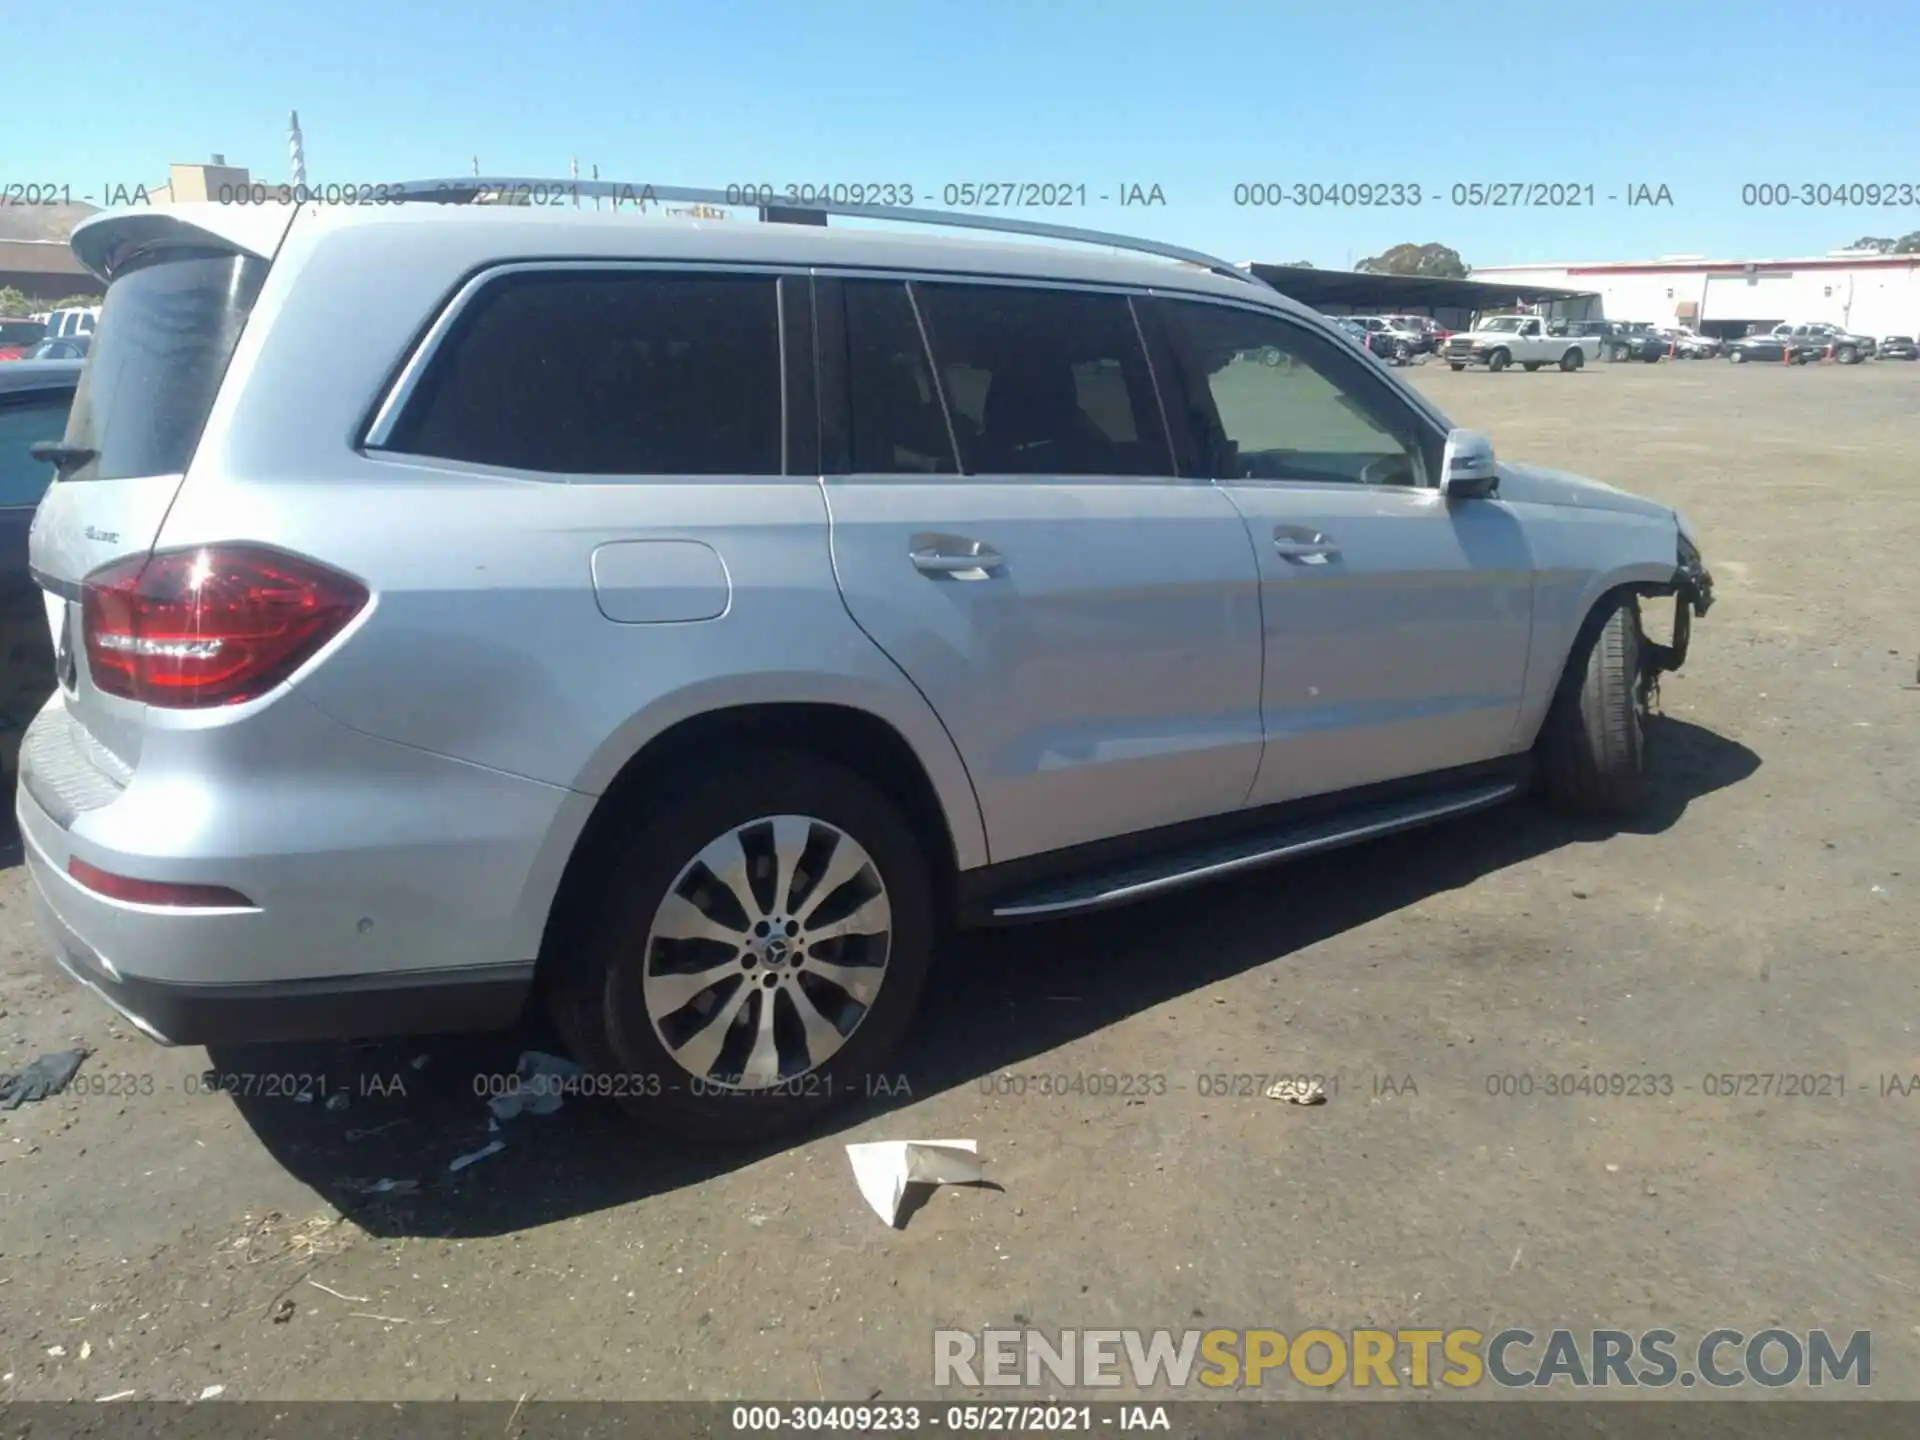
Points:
(75, 302)
(15, 302)
(1299, 264)
(1430, 259)
(1881, 243)
(1908, 244)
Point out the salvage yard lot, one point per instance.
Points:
(1761, 921)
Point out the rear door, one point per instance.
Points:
(1397, 622)
(1007, 525)
(177, 303)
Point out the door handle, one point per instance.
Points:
(953, 555)
(1304, 546)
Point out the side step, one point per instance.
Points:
(1195, 864)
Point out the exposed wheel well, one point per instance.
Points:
(861, 742)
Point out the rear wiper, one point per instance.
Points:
(60, 455)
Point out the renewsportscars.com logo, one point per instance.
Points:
(1461, 1359)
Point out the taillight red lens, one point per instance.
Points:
(217, 625)
(156, 892)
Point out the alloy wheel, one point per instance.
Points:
(767, 952)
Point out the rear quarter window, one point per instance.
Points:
(606, 374)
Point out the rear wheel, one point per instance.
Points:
(1456, 364)
(1737, 357)
(760, 946)
(1592, 747)
(1573, 359)
(1530, 365)
(1499, 360)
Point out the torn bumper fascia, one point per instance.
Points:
(1692, 589)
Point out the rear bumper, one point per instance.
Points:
(480, 998)
(389, 890)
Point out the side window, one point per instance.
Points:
(1044, 382)
(1269, 400)
(1530, 328)
(634, 373)
(897, 424)
(25, 420)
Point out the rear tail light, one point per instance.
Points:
(219, 625)
(156, 892)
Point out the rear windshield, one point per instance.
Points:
(159, 353)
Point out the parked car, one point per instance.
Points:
(1377, 341)
(1832, 342)
(613, 653)
(1684, 343)
(73, 349)
(1422, 331)
(1899, 347)
(34, 399)
(1515, 339)
(1779, 344)
(1392, 345)
(1636, 340)
(75, 320)
(17, 337)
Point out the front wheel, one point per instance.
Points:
(1498, 361)
(1736, 357)
(1592, 747)
(761, 945)
(1846, 355)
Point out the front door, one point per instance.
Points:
(1010, 530)
(1397, 622)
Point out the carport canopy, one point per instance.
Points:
(1359, 292)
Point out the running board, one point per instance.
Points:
(1195, 864)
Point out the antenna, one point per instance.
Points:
(296, 152)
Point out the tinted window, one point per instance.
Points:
(25, 420)
(608, 374)
(169, 328)
(21, 332)
(1269, 400)
(1044, 382)
(897, 423)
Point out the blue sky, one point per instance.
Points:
(1195, 96)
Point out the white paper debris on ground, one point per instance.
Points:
(117, 1395)
(492, 1147)
(213, 1392)
(337, 1101)
(539, 1086)
(1298, 1090)
(884, 1168)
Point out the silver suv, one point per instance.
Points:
(460, 606)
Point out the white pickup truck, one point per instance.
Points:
(1517, 340)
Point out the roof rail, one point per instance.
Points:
(470, 189)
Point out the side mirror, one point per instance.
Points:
(1467, 469)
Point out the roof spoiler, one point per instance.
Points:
(105, 242)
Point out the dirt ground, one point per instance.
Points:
(1761, 920)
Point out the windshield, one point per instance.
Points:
(1504, 324)
(157, 359)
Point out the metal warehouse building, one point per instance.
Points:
(1869, 294)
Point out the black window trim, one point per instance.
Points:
(1432, 431)
(396, 396)
(836, 397)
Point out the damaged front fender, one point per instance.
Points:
(1692, 589)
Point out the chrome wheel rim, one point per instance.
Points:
(767, 952)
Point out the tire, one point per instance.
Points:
(611, 999)
(1847, 355)
(1736, 357)
(1592, 746)
(1652, 359)
(1456, 364)
(1498, 361)
(1573, 359)
(1530, 365)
